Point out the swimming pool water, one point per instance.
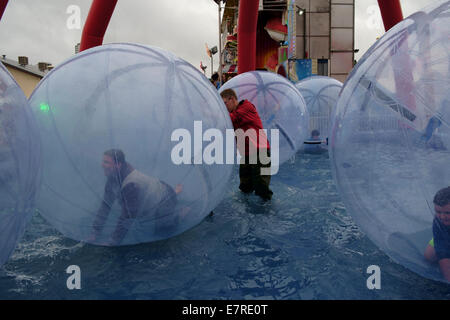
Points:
(301, 245)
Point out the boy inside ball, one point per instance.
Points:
(314, 144)
(438, 249)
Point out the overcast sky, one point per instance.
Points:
(47, 30)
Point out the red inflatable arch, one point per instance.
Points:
(3, 4)
(96, 23)
(391, 11)
(102, 10)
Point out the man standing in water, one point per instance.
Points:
(248, 125)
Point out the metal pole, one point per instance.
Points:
(304, 35)
(212, 56)
(220, 44)
(288, 67)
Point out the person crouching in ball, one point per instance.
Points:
(139, 196)
(438, 249)
(252, 144)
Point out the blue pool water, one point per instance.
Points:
(301, 245)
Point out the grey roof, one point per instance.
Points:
(28, 68)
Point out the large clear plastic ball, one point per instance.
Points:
(390, 142)
(321, 94)
(280, 106)
(20, 163)
(164, 117)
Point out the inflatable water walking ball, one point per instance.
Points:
(390, 141)
(280, 106)
(19, 163)
(321, 94)
(134, 145)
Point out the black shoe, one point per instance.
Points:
(246, 189)
(266, 195)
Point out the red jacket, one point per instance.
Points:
(245, 117)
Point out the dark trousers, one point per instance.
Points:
(251, 178)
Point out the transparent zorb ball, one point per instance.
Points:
(145, 104)
(390, 139)
(20, 163)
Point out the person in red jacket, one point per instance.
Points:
(252, 143)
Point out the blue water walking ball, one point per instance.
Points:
(20, 163)
(134, 145)
(390, 142)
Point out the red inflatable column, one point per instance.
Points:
(248, 18)
(3, 4)
(391, 12)
(96, 23)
